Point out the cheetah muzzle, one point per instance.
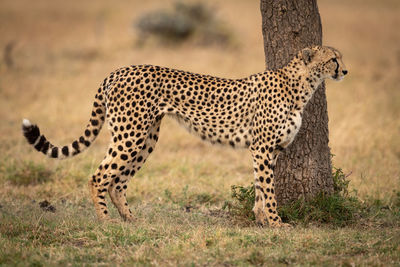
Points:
(262, 112)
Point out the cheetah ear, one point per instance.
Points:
(307, 55)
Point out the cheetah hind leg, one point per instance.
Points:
(117, 191)
(118, 187)
(98, 186)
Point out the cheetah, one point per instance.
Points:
(262, 112)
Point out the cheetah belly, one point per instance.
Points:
(293, 127)
(239, 137)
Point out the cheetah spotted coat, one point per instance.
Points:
(261, 112)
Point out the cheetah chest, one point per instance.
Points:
(292, 128)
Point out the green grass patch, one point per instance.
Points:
(330, 209)
(242, 202)
(23, 173)
(337, 209)
(188, 200)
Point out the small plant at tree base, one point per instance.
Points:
(243, 201)
(332, 209)
(338, 209)
(340, 182)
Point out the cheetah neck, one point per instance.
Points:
(302, 83)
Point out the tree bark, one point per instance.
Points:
(304, 168)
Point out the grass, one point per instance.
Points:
(25, 173)
(62, 51)
(338, 209)
(333, 209)
(166, 234)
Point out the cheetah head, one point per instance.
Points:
(324, 62)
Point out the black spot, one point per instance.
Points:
(65, 150)
(40, 144)
(45, 147)
(54, 152)
(31, 133)
(138, 142)
(75, 145)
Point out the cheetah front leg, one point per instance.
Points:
(265, 207)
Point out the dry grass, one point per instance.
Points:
(63, 50)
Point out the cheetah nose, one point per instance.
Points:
(345, 72)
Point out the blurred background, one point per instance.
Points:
(54, 54)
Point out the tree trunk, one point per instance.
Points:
(304, 168)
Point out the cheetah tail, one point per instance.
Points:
(40, 143)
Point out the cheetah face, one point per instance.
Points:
(324, 62)
(334, 67)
